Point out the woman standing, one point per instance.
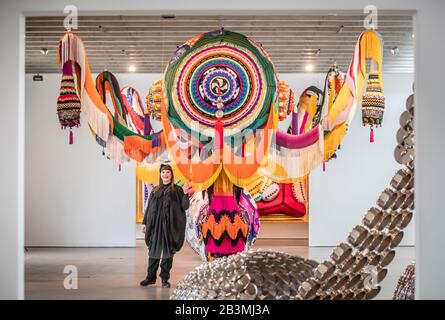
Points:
(164, 225)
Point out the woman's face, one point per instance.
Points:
(166, 176)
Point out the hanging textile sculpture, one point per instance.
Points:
(68, 102)
(219, 105)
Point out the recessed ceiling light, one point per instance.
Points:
(309, 67)
(44, 51)
(132, 68)
(412, 36)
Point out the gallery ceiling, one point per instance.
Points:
(294, 42)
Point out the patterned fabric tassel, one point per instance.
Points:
(373, 103)
(71, 140)
(68, 102)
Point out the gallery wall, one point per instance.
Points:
(74, 196)
(351, 184)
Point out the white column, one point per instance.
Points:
(430, 150)
(12, 153)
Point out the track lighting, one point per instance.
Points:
(395, 50)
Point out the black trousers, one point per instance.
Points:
(153, 265)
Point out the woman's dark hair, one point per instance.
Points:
(172, 182)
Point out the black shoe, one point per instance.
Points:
(165, 284)
(147, 281)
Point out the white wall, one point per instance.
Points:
(351, 184)
(74, 196)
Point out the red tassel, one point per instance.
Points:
(219, 135)
(119, 167)
(324, 166)
(71, 136)
(371, 135)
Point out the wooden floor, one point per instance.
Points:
(115, 273)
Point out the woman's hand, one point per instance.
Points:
(144, 228)
(186, 188)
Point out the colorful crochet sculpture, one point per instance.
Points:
(286, 100)
(68, 102)
(291, 200)
(368, 48)
(207, 227)
(219, 104)
(225, 62)
(224, 230)
(153, 100)
(280, 198)
(373, 103)
(135, 110)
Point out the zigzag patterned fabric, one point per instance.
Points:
(68, 102)
(373, 102)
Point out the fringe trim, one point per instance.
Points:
(115, 150)
(333, 140)
(288, 165)
(96, 119)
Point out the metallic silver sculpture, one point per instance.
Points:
(356, 266)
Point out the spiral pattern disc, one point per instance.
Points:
(224, 69)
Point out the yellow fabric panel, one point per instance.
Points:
(311, 108)
(370, 48)
(333, 140)
(243, 171)
(222, 185)
(340, 103)
(258, 185)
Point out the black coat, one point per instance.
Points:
(178, 204)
